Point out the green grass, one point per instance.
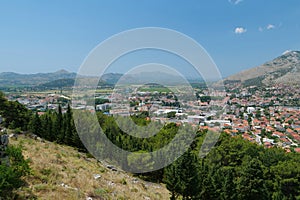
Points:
(158, 89)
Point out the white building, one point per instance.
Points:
(195, 119)
(250, 110)
(103, 106)
(218, 121)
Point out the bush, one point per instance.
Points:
(10, 175)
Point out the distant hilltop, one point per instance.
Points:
(283, 69)
(12, 79)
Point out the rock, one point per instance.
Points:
(97, 176)
(4, 140)
(111, 167)
(33, 136)
(66, 186)
(135, 180)
(3, 145)
(14, 136)
(110, 183)
(40, 139)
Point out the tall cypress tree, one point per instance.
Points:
(35, 125)
(172, 180)
(49, 134)
(183, 178)
(189, 175)
(58, 126)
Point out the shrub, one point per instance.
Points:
(10, 175)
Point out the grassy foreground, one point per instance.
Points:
(61, 172)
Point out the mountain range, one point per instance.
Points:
(61, 78)
(15, 79)
(283, 69)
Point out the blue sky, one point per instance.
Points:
(45, 36)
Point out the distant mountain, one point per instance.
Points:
(283, 69)
(15, 79)
(111, 78)
(163, 78)
(63, 79)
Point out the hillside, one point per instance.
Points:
(59, 83)
(61, 172)
(283, 69)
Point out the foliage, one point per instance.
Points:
(11, 175)
(257, 81)
(171, 114)
(234, 168)
(15, 114)
(60, 83)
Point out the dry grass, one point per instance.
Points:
(61, 172)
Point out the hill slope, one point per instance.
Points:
(283, 69)
(61, 172)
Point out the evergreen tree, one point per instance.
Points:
(228, 187)
(58, 126)
(48, 126)
(183, 177)
(172, 180)
(250, 184)
(35, 125)
(68, 127)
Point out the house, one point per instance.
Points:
(296, 136)
(267, 144)
(250, 110)
(195, 119)
(297, 150)
(285, 141)
(279, 134)
(103, 107)
(217, 122)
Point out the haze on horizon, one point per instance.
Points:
(46, 37)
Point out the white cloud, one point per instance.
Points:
(240, 30)
(270, 26)
(235, 2)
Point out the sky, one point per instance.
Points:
(46, 36)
